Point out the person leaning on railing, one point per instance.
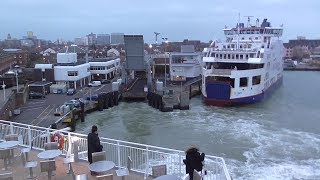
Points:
(193, 161)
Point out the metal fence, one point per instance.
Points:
(143, 156)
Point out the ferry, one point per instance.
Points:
(246, 67)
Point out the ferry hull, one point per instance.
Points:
(243, 100)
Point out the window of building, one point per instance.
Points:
(72, 73)
(244, 82)
(256, 80)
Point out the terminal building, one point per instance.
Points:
(77, 74)
(186, 64)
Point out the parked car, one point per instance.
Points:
(94, 83)
(105, 81)
(36, 95)
(71, 91)
(73, 102)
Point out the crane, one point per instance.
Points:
(156, 33)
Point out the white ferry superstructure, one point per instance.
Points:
(245, 68)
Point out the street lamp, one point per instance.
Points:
(165, 61)
(4, 90)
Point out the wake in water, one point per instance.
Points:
(278, 153)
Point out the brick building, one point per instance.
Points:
(303, 45)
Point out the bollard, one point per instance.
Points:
(82, 112)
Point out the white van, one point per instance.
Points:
(94, 83)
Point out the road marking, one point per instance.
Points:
(28, 109)
(37, 102)
(46, 115)
(40, 114)
(99, 88)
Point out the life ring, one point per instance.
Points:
(57, 137)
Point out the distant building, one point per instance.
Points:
(113, 53)
(91, 39)
(27, 42)
(117, 38)
(21, 57)
(82, 41)
(9, 37)
(301, 45)
(103, 39)
(315, 56)
(74, 49)
(30, 35)
(11, 57)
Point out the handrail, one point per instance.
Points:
(117, 148)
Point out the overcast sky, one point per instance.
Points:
(175, 19)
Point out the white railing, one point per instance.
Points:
(143, 156)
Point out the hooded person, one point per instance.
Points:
(193, 161)
(93, 143)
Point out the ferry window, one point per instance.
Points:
(241, 56)
(212, 55)
(72, 73)
(261, 55)
(228, 46)
(225, 56)
(256, 38)
(244, 82)
(243, 38)
(240, 46)
(237, 56)
(224, 46)
(232, 45)
(232, 82)
(251, 55)
(256, 80)
(228, 56)
(220, 56)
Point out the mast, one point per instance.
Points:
(238, 31)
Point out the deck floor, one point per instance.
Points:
(21, 173)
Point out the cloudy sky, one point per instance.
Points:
(175, 19)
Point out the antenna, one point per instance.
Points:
(238, 31)
(156, 33)
(248, 20)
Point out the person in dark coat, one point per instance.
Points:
(93, 143)
(193, 161)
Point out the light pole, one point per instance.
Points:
(165, 61)
(16, 72)
(4, 90)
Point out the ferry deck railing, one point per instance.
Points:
(143, 156)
